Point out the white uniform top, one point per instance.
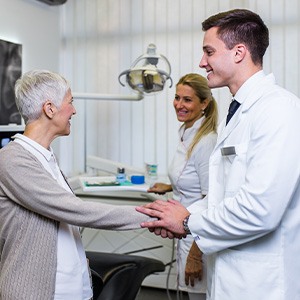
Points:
(72, 275)
(251, 227)
(189, 179)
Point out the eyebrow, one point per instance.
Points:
(207, 47)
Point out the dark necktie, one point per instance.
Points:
(234, 105)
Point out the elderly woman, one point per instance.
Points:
(42, 256)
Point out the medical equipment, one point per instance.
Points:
(146, 75)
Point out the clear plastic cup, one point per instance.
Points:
(151, 173)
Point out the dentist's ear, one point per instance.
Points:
(49, 109)
(240, 52)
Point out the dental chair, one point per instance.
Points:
(118, 276)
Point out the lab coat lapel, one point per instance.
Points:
(253, 96)
(224, 131)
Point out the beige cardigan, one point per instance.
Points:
(32, 204)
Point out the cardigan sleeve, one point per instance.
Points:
(25, 181)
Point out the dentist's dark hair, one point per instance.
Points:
(241, 26)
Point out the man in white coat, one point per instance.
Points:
(251, 229)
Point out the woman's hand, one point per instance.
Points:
(160, 188)
(193, 267)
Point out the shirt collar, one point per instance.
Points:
(248, 86)
(45, 152)
(184, 133)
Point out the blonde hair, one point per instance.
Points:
(199, 84)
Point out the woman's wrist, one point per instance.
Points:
(169, 188)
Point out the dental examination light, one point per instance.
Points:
(145, 76)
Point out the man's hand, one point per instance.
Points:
(193, 267)
(170, 216)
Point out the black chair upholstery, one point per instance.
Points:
(122, 275)
(97, 284)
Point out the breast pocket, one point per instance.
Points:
(234, 159)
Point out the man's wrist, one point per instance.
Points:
(186, 225)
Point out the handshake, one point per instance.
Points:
(170, 215)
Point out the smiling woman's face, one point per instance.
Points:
(64, 115)
(187, 105)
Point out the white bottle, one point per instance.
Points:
(121, 176)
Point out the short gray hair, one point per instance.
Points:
(36, 87)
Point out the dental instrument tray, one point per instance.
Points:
(109, 183)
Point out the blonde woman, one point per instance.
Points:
(197, 109)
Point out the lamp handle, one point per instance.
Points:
(123, 73)
(167, 76)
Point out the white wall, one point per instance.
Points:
(101, 38)
(36, 26)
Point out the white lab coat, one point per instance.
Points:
(251, 229)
